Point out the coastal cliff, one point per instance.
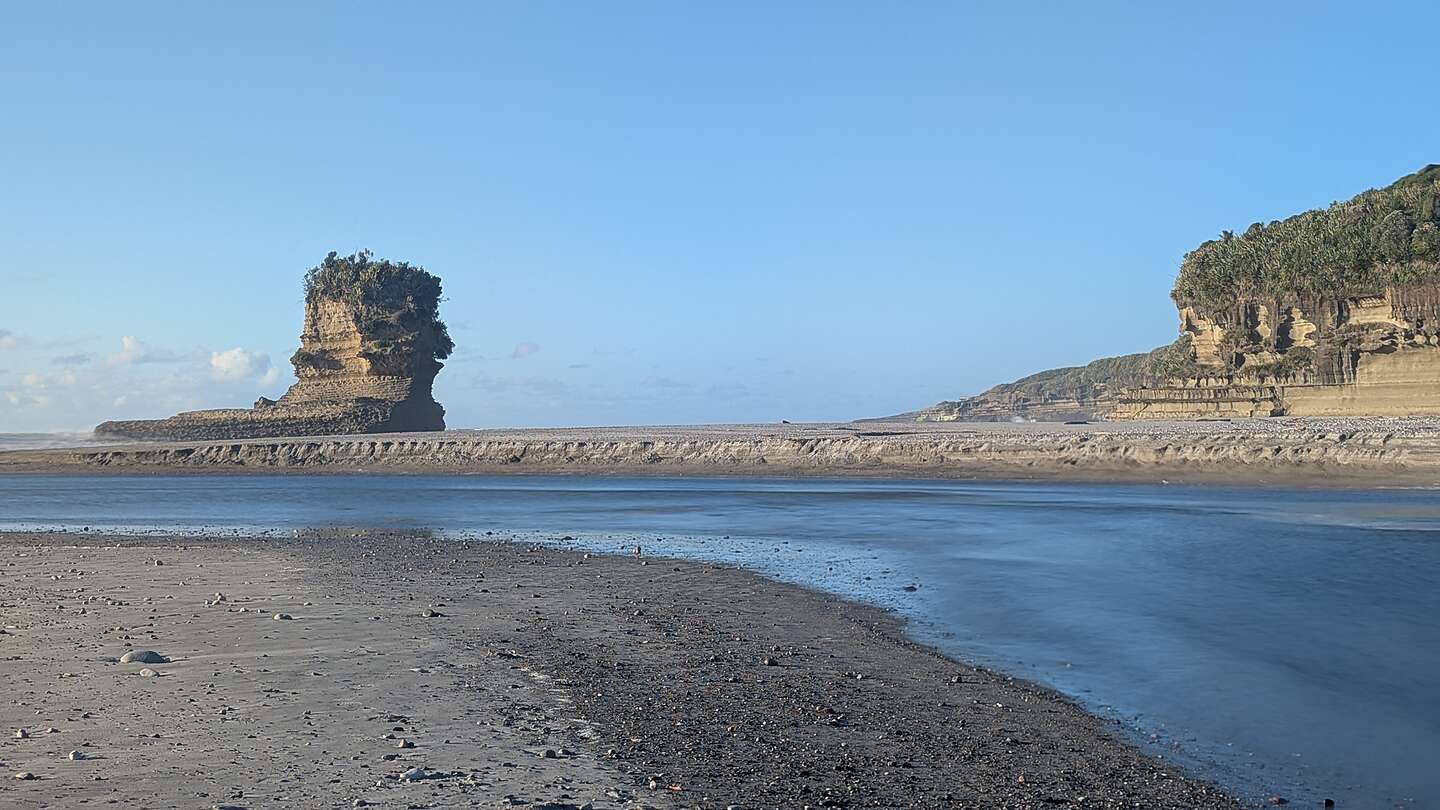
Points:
(370, 348)
(1332, 312)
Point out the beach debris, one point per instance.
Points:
(143, 657)
(75, 756)
(283, 617)
(25, 776)
(148, 673)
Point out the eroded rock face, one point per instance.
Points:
(356, 375)
(1367, 354)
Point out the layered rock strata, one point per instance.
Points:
(1368, 354)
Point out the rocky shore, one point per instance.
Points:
(372, 669)
(1305, 451)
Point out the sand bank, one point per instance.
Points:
(1402, 451)
(547, 679)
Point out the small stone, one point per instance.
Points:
(220, 597)
(430, 614)
(25, 776)
(22, 734)
(413, 775)
(75, 756)
(406, 744)
(143, 657)
(148, 673)
(769, 662)
(283, 617)
(549, 753)
(1278, 800)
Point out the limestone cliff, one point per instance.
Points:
(370, 348)
(1329, 313)
(1332, 312)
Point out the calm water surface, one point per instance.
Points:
(1280, 642)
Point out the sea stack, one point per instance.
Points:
(369, 351)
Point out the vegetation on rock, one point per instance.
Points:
(1090, 382)
(1380, 238)
(392, 301)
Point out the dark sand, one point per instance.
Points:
(654, 683)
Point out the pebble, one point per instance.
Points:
(25, 776)
(143, 657)
(413, 775)
(75, 756)
(22, 734)
(283, 617)
(406, 744)
(430, 614)
(148, 673)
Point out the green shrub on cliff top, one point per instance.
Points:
(382, 292)
(1379, 238)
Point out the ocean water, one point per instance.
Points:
(1277, 642)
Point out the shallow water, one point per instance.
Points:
(1279, 642)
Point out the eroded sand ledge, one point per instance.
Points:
(1299, 450)
(712, 684)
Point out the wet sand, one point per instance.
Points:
(1290, 452)
(548, 679)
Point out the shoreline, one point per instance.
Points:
(1264, 452)
(733, 688)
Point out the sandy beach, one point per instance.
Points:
(1398, 451)
(508, 675)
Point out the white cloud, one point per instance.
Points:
(37, 381)
(239, 364)
(134, 350)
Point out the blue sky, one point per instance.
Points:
(661, 212)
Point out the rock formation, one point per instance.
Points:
(1333, 312)
(369, 352)
(1064, 394)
